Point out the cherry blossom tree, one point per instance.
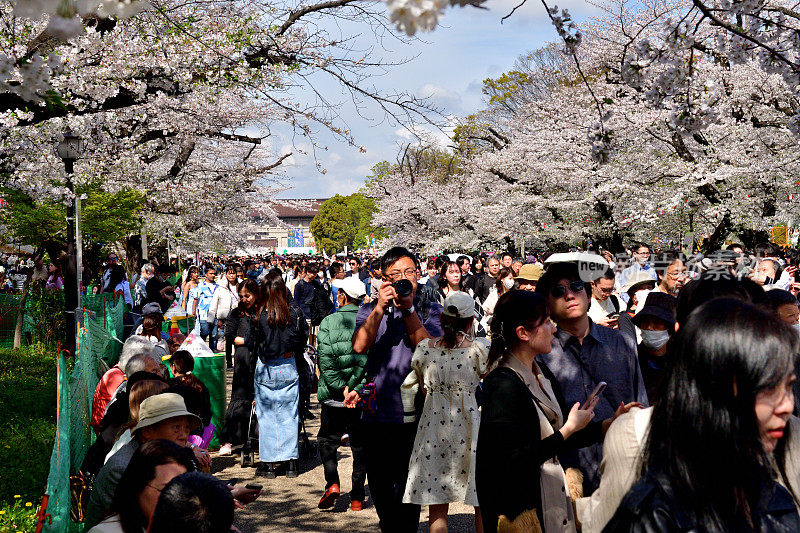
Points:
(177, 100)
(533, 168)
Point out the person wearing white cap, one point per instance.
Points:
(163, 416)
(447, 370)
(341, 371)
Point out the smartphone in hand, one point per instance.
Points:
(596, 392)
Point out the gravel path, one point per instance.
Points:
(290, 505)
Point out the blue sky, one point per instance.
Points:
(449, 65)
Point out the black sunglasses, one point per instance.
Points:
(575, 286)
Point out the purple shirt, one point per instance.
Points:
(389, 358)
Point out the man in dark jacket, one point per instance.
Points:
(341, 371)
(484, 284)
(304, 290)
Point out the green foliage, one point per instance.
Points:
(344, 221)
(505, 87)
(106, 217)
(30, 222)
(27, 429)
(109, 217)
(18, 516)
(44, 309)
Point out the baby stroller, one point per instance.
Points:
(308, 448)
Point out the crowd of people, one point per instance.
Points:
(643, 391)
(16, 269)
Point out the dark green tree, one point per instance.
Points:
(344, 221)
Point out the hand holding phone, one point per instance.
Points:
(598, 390)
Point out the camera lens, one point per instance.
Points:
(403, 288)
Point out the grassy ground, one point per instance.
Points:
(27, 430)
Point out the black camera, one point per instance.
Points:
(403, 288)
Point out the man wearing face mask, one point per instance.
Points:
(656, 323)
(641, 265)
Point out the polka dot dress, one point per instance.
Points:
(442, 465)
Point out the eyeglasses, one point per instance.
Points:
(575, 287)
(409, 273)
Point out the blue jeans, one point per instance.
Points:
(205, 329)
(277, 385)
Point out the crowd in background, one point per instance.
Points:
(576, 391)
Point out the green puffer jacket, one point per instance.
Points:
(339, 366)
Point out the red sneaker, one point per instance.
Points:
(356, 505)
(329, 498)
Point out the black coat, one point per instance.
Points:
(510, 449)
(244, 365)
(269, 342)
(650, 507)
(483, 284)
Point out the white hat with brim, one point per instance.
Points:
(162, 406)
(459, 304)
(637, 280)
(352, 286)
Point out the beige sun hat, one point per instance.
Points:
(161, 407)
(530, 272)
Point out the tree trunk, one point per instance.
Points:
(133, 254)
(750, 238)
(717, 238)
(21, 313)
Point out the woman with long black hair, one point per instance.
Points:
(450, 280)
(237, 333)
(719, 427)
(278, 334)
(525, 424)
(190, 283)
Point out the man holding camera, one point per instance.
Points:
(388, 329)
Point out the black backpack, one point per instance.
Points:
(321, 304)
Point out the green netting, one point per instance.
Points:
(58, 479)
(9, 305)
(97, 302)
(98, 340)
(104, 328)
(42, 317)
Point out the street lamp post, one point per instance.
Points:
(70, 149)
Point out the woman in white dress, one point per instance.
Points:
(447, 370)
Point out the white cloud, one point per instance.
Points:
(446, 99)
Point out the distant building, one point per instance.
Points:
(295, 216)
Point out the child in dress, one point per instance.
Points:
(447, 370)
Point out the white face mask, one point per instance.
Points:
(508, 283)
(654, 340)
